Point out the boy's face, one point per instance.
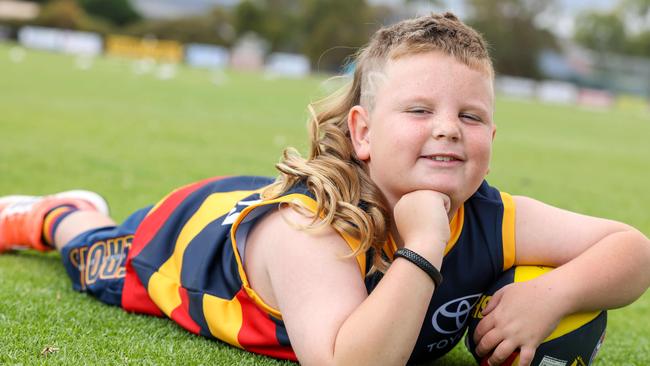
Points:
(430, 127)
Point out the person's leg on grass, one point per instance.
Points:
(34, 221)
(76, 223)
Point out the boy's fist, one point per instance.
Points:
(423, 224)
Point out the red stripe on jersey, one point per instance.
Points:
(134, 295)
(181, 314)
(257, 332)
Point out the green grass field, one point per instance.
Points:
(135, 137)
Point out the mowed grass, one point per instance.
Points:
(135, 137)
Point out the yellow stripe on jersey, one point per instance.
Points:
(163, 285)
(455, 228)
(568, 323)
(361, 257)
(224, 318)
(508, 231)
(164, 292)
(389, 248)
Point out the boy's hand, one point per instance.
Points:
(422, 221)
(519, 316)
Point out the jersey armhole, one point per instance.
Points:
(508, 231)
(261, 209)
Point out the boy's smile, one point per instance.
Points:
(430, 127)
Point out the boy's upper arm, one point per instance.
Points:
(316, 287)
(547, 235)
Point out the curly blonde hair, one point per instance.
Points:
(347, 198)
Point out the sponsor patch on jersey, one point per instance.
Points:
(552, 361)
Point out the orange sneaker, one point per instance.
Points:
(21, 217)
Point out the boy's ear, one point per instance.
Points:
(358, 124)
(494, 134)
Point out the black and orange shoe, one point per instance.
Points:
(22, 217)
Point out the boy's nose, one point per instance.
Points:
(445, 128)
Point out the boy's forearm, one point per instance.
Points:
(612, 273)
(384, 329)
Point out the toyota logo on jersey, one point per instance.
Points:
(451, 317)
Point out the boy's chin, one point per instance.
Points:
(456, 189)
(447, 189)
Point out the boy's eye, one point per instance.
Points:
(418, 111)
(472, 117)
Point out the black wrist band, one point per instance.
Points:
(419, 261)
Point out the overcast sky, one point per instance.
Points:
(562, 21)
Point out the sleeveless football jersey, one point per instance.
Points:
(186, 262)
(481, 247)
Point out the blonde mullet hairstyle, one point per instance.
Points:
(348, 200)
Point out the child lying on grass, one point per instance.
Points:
(348, 254)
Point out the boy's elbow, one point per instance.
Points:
(646, 254)
(642, 256)
(644, 246)
(635, 265)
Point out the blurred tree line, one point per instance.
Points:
(624, 30)
(514, 38)
(90, 15)
(329, 31)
